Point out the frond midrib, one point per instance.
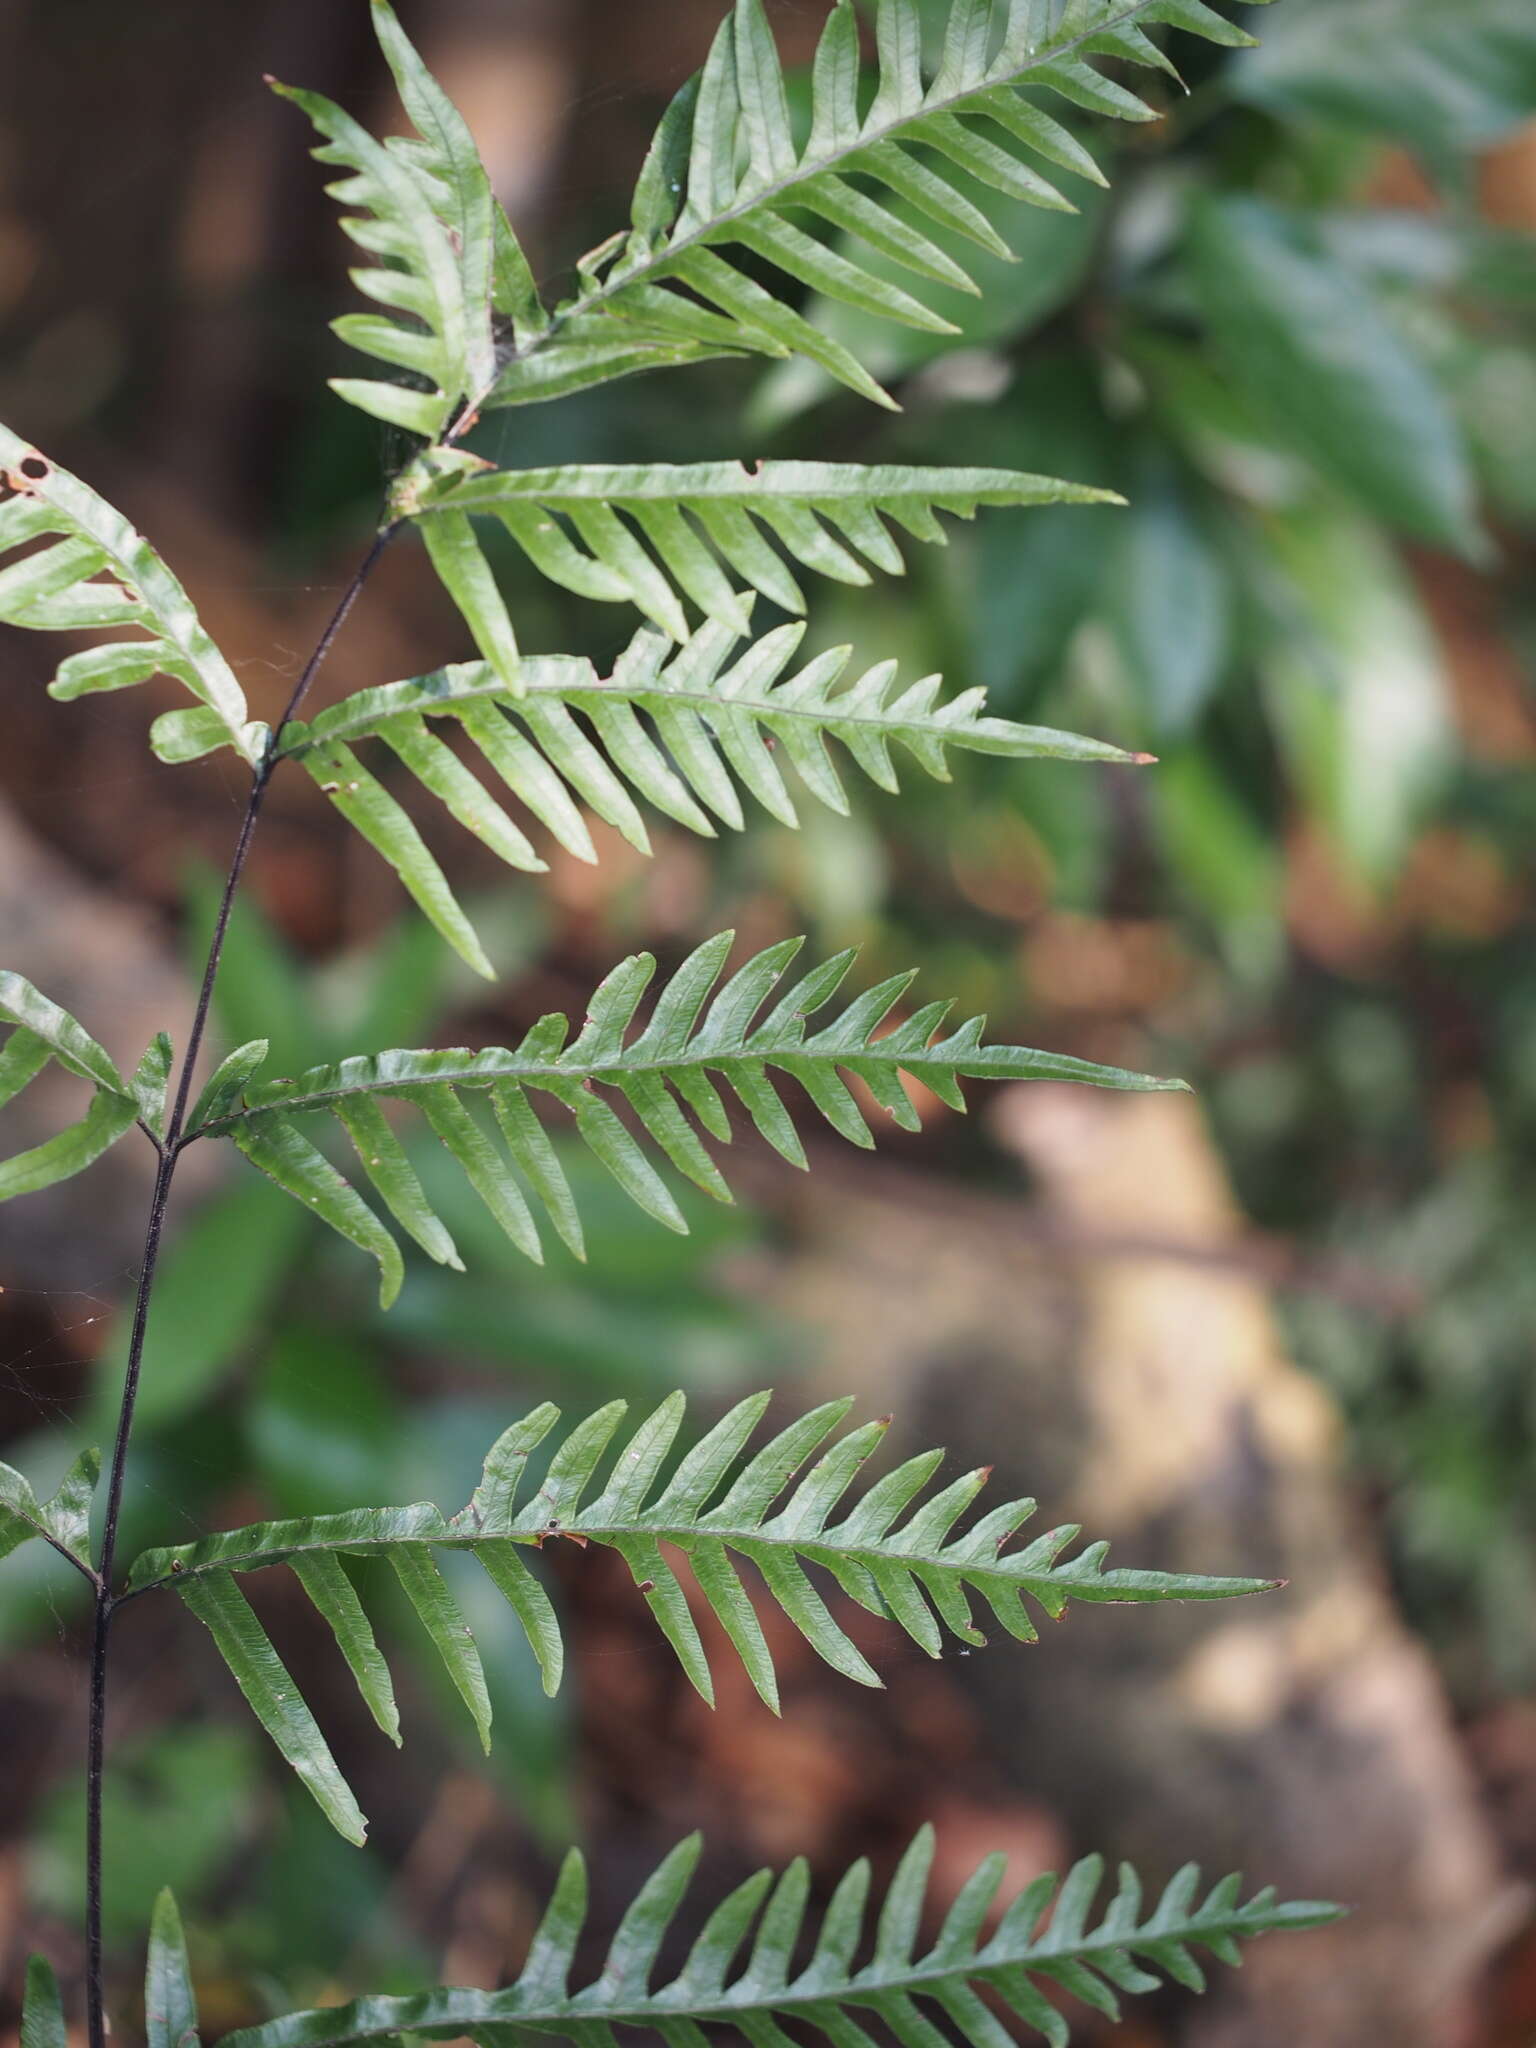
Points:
(684, 483)
(776, 189)
(817, 1548)
(651, 696)
(864, 1986)
(548, 1073)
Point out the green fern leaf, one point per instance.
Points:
(151, 1080)
(98, 574)
(684, 729)
(42, 2009)
(226, 1081)
(109, 1118)
(726, 173)
(698, 1034)
(446, 259)
(443, 153)
(170, 2006)
(368, 806)
(64, 1522)
(752, 1982)
(828, 516)
(55, 1030)
(41, 1033)
(273, 1697)
(891, 1551)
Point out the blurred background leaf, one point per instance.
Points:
(1439, 82)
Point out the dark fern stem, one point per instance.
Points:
(170, 1151)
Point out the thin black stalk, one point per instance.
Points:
(263, 776)
(170, 1152)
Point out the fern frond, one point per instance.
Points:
(444, 155)
(41, 1032)
(698, 1034)
(97, 573)
(42, 2009)
(686, 520)
(726, 172)
(445, 256)
(680, 728)
(1046, 1942)
(892, 1551)
(64, 1522)
(170, 2005)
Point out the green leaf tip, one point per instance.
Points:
(42, 2008)
(170, 2005)
(273, 1697)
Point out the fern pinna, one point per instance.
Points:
(698, 1028)
(741, 1971)
(739, 209)
(711, 1508)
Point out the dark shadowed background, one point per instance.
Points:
(1286, 1328)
